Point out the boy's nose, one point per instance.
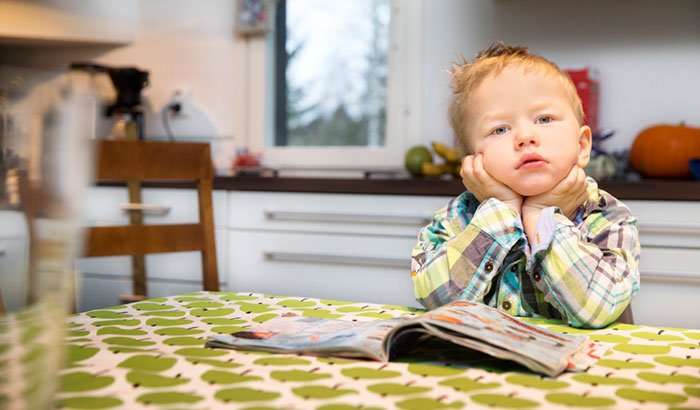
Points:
(526, 137)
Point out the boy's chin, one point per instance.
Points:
(532, 189)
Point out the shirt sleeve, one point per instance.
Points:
(459, 254)
(589, 272)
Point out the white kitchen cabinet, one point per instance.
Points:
(670, 263)
(339, 246)
(103, 279)
(69, 21)
(13, 259)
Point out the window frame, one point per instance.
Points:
(402, 109)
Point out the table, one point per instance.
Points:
(150, 354)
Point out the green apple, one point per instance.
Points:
(158, 321)
(579, 400)
(569, 330)
(151, 306)
(692, 391)
(80, 353)
(183, 299)
(685, 345)
(216, 363)
(353, 309)
(204, 312)
(164, 313)
(125, 349)
(536, 382)
(78, 333)
(223, 321)
(650, 396)
(624, 326)
(321, 392)
(107, 314)
(668, 378)
(465, 384)
(331, 302)
(227, 329)
(30, 333)
(295, 303)
(254, 307)
(657, 336)
(624, 364)
(128, 341)
(369, 373)
(169, 398)
(603, 380)
(178, 331)
(281, 361)
(245, 394)
(184, 341)
(222, 377)
(422, 403)
(503, 401)
(401, 308)
(335, 360)
(83, 381)
(88, 402)
(207, 304)
(200, 352)
(148, 362)
(642, 349)
(678, 361)
(237, 297)
(433, 370)
(692, 335)
(397, 389)
(610, 338)
(147, 379)
(118, 322)
(114, 330)
(322, 313)
(264, 317)
(297, 375)
(377, 315)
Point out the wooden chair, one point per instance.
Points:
(626, 316)
(138, 161)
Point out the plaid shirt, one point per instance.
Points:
(583, 271)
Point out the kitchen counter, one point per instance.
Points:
(660, 190)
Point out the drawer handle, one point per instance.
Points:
(336, 259)
(676, 277)
(353, 218)
(150, 208)
(676, 228)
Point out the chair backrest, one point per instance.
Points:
(158, 161)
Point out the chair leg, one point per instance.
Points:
(626, 316)
(2, 304)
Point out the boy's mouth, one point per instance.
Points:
(529, 161)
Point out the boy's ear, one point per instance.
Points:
(585, 140)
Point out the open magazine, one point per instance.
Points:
(469, 324)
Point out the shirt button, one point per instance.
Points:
(506, 305)
(537, 276)
(488, 267)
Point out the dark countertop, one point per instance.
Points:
(659, 190)
(675, 190)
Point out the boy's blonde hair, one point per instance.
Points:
(467, 76)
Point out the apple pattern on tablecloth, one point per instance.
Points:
(141, 355)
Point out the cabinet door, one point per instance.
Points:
(344, 267)
(13, 273)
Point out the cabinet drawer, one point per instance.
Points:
(391, 215)
(13, 272)
(12, 225)
(183, 266)
(668, 223)
(175, 206)
(667, 304)
(322, 265)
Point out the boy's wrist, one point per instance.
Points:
(515, 204)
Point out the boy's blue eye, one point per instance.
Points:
(544, 119)
(499, 130)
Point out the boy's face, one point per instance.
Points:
(525, 127)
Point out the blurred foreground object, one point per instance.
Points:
(43, 185)
(663, 151)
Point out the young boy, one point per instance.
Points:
(532, 235)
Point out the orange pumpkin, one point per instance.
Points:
(663, 151)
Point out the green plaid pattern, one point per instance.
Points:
(583, 271)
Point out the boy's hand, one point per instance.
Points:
(567, 195)
(480, 183)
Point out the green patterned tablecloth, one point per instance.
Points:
(150, 355)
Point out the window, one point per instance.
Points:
(341, 85)
(331, 66)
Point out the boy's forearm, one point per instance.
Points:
(530, 217)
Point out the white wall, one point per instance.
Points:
(647, 53)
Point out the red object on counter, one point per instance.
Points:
(588, 90)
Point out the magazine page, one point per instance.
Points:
(318, 336)
(501, 333)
